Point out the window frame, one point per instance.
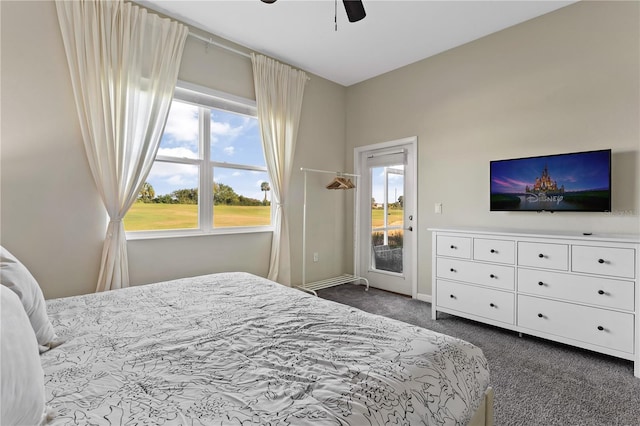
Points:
(207, 99)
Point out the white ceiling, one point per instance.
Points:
(393, 34)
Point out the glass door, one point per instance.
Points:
(385, 218)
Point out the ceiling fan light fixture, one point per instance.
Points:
(355, 10)
(268, 1)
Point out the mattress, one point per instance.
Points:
(234, 348)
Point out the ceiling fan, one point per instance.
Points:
(354, 8)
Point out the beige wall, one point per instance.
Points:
(51, 216)
(566, 81)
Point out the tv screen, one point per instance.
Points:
(577, 181)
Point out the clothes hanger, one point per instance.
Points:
(339, 182)
(336, 183)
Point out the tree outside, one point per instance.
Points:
(178, 209)
(147, 193)
(264, 186)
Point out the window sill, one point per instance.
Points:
(182, 233)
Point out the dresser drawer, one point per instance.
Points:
(502, 251)
(498, 276)
(543, 255)
(600, 327)
(483, 302)
(605, 292)
(453, 246)
(615, 262)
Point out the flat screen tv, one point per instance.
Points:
(576, 182)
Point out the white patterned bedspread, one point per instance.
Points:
(234, 348)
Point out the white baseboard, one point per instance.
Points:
(424, 297)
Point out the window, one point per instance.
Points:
(209, 174)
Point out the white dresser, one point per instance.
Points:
(577, 289)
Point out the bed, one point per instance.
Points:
(234, 348)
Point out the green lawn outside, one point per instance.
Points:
(151, 216)
(395, 237)
(377, 217)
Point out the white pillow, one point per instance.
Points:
(22, 392)
(17, 277)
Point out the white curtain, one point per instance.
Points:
(124, 66)
(279, 91)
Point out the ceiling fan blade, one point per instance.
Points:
(355, 10)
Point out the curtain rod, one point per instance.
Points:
(223, 46)
(304, 169)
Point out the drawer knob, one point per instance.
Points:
(540, 283)
(601, 260)
(540, 316)
(452, 296)
(541, 255)
(492, 305)
(492, 276)
(601, 328)
(493, 251)
(452, 270)
(453, 247)
(600, 291)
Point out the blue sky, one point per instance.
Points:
(580, 171)
(396, 184)
(234, 139)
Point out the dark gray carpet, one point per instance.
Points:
(536, 382)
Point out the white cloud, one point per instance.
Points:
(162, 170)
(179, 152)
(167, 177)
(225, 129)
(182, 123)
(181, 180)
(229, 150)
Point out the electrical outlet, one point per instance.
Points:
(316, 257)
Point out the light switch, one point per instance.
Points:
(438, 208)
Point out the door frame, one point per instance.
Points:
(357, 166)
